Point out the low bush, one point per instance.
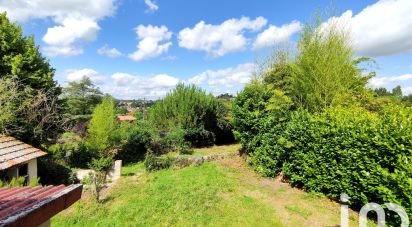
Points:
(70, 151)
(137, 140)
(200, 137)
(53, 173)
(154, 163)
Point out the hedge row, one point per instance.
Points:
(343, 150)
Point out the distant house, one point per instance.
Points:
(126, 118)
(18, 159)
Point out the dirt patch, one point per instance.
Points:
(294, 206)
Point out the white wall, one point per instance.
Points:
(32, 169)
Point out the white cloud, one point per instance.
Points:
(157, 81)
(381, 29)
(153, 42)
(392, 81)
(109, 52)
(74, 20)
(130, 86)
(151, 5)
(78, 74)
(407, 90)
(218, 40)
(62, 51)
(276, 35)
(225, 80)
(124, 85)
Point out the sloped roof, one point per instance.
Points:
(32, 206)
(126, 118)
(14, 152)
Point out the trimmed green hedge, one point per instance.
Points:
(343, 150)
(366, 155)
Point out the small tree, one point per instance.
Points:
(326, 72)
(102, 127)
(101, 140)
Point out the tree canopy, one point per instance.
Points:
(81, 97)
(29, 102)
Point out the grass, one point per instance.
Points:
(191, 196)
(220, 193)
(233, 148)
(132, 169)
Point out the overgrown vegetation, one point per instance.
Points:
(29, 105)
(213, 194)
(191, 109)
(311, 117)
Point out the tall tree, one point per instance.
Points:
(382, 92)
(327, 73)
(26, 73)
(397, 92)
(81, 97)
(101, 140)
(102, 126)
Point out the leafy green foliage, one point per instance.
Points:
(136, 140)
(313, 119)
(193, 110)
(29, 95)
(352, 151)
(326, 72)
(154, 163)
(81, 97)
(52, 172)
(176, 142)
(102, 127)
(70, 150)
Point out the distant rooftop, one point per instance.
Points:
(32, 206)
(14, 152)
(126, 118)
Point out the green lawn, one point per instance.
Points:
(221, 193)
(191, 196)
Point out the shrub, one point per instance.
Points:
(190, 108)
(53, 173)
(102, 130)
(352, 151)
(200, 137)
(17, 182)
(137, 139)
(71, 151)
(154, 163)
(175, 142)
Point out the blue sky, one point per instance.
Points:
(142, 48)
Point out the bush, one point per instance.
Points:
(200, 137)
(137, 140)
(154, 163)
(198, 113)
(71, 151)
(53, 173)
(175, 142)
(352, 151)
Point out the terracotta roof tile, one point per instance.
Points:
(126, 118)
(31, 206)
